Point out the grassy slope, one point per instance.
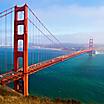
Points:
(9, 96)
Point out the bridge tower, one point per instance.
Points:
(91, 46)
(24, 53)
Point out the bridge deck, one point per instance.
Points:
(11, 76)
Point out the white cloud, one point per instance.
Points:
(73, 10)
(75, 19)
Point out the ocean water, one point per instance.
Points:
(80, 78)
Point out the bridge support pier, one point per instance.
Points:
(24, 53)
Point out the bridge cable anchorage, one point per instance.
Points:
(59, 42)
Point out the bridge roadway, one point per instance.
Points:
(12, 76)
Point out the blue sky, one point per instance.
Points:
(72, 21)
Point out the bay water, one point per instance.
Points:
(80, 78)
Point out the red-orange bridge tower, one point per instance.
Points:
(24, 53)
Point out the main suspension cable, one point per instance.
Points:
(44, 26)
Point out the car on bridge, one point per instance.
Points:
(1, 76)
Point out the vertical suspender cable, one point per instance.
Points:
(30, 45)
(5, 42)
(38, 44)
(11, 44)
(36, 59)
(34, 44)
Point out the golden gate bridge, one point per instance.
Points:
(21, 29)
